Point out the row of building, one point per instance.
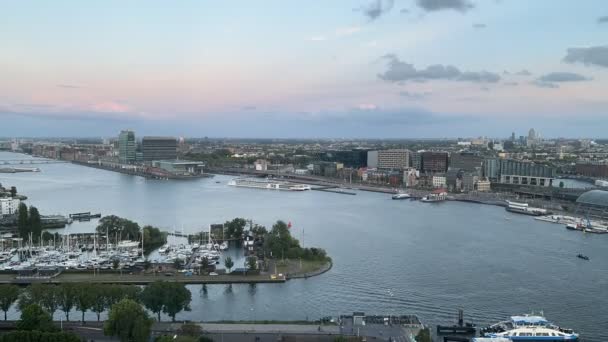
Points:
(152, 148)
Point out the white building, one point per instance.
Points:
(439, 181)
(261, 165)
(9, 206)
(394, 159)
(410, 177)
(483, 185)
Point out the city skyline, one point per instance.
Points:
(362, 69)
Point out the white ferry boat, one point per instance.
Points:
(267, 184)
(530, 328)
(401, 195)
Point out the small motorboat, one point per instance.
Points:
(584, 257)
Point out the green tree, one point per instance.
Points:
(84, 298)
(152, 297)
(38, 336)
(178, 263)
(35, 223)
(48, 297)
(23, 224)
(561, 185)
(153, 238)
(100, 293)
(128, 321)
(8, 296)
(252, 263)
(33, 317)
(204, 264)
(67, 298)
(228, 263)
(234, 229)
(424, 335)
(117, 226)
(177, 298)
(13, 191)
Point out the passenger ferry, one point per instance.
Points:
(401, 195)
(267, 184)
(530, 328)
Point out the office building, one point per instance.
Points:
(126, 147)
(434, 162)
(415, 160)
(395, 159)
(159, 148)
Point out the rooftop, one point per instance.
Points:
(594, 197)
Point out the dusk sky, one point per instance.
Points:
(377, 69)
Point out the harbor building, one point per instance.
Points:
(434, 162)
(126, 147)
(180, 167)
(525, 173)
(394, 159)
(593, 204)
(491, 169)
(9, 206)
(159, 148)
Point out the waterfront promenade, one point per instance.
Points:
(141, 279)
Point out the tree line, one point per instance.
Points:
(28, 222)
(168, 297)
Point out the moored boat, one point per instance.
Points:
(530, 328)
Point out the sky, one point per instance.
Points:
(314, 69)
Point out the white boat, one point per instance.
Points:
(224, 246)
(530, 328)
(401, 195)
(267, 184)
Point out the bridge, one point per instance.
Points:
(30, 161)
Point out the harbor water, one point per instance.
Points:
(393, 257)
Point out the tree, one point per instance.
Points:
(38, 336)
(84, 298)
(204, 264)
(177, 298)
(100, 304)
(178, 263)
(23, 221)
(234, 229)
(49, 298)
(153, 297)
(561, 185)
(33, 317)
(35, 223)
(8, 296)
(424, 335)
(252, 263)
(128, 321)
(67, 298)
(13, 191)
(228, 263)
(115, 263)
(117, 226)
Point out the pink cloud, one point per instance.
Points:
(110, 107)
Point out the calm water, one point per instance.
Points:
(389, 256)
